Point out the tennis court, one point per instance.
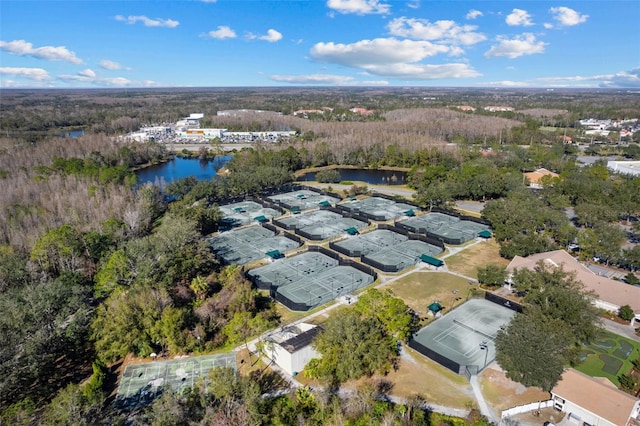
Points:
(141, 383)
(249, 244)
(386, 250)
(244, 213)
(379, 208)
(447, 228)
(307, 280)
(464, 338)
(304, 199)
(320, 224)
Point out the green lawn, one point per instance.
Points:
(420, 289)
(609, 356)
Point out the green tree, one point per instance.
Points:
(353, 346)
(532, 349)
(328, 176)
(396, 317)
(492, 275)
(559, 296)
(71, 407)
(626, 313)
(58, 250)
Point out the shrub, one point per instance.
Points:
(626, 313)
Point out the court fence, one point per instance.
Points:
(499, 300)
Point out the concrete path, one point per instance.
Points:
(485, 410)
(621, 329)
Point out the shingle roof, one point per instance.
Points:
(300, 341)
(596, 395)
(610, 291)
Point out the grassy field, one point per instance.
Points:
(420, 289)
(609, 356)
(502, 393)
(467, 261)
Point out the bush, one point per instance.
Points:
(328, 176)
(626, 313)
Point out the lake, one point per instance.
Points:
(371, 176)
(179, 168)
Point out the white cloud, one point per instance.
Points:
(148, 22)
(208, 1)
(507, 83)
(49, 53)
(272, 36)
(89, 73)
(413, 4)
(359, 7)
(375, 52)
(445, 31)
(524, 44)
(424, 71)
(473, 14)
(326, 79)
(111, 65)
(629, 79)
(222, 33)
(36, 74)
(519, 17)
(389, 57)
(567, 17)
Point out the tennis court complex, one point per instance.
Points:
(245, 212)
(463, 339)
(246, 245)
(386, 250)
(321, 224)
(303, 199)
(141, 383)
(450, 229)
(313, 278)
(379, 208)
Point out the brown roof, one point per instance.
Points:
(598, 396)
(608, 290)
(537, 175)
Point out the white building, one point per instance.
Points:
(625, 167)
(201, 133)
(290, 347)
(594, 401)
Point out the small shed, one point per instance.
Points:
(484, 234)
(275, 254)
(324, 203)
(351, 231)
(410, 213)
(431, 260)
(435, 307)
(295, 210)
(261, 219)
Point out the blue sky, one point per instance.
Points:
(64, 44)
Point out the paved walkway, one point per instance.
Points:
(485, 410)
(621, 329)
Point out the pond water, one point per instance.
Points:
(371, 176)
(179, 168)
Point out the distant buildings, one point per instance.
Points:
(625, 167)
(535, 178)
(494, 108)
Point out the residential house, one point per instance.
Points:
(611, 294)
(594, 401)
(535, 178)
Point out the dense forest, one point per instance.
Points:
(94, 267)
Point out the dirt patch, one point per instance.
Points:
(420, 289)
(501, 392)
(467, 261)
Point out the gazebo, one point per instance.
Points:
(435, 308)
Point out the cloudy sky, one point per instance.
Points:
(87, 43)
